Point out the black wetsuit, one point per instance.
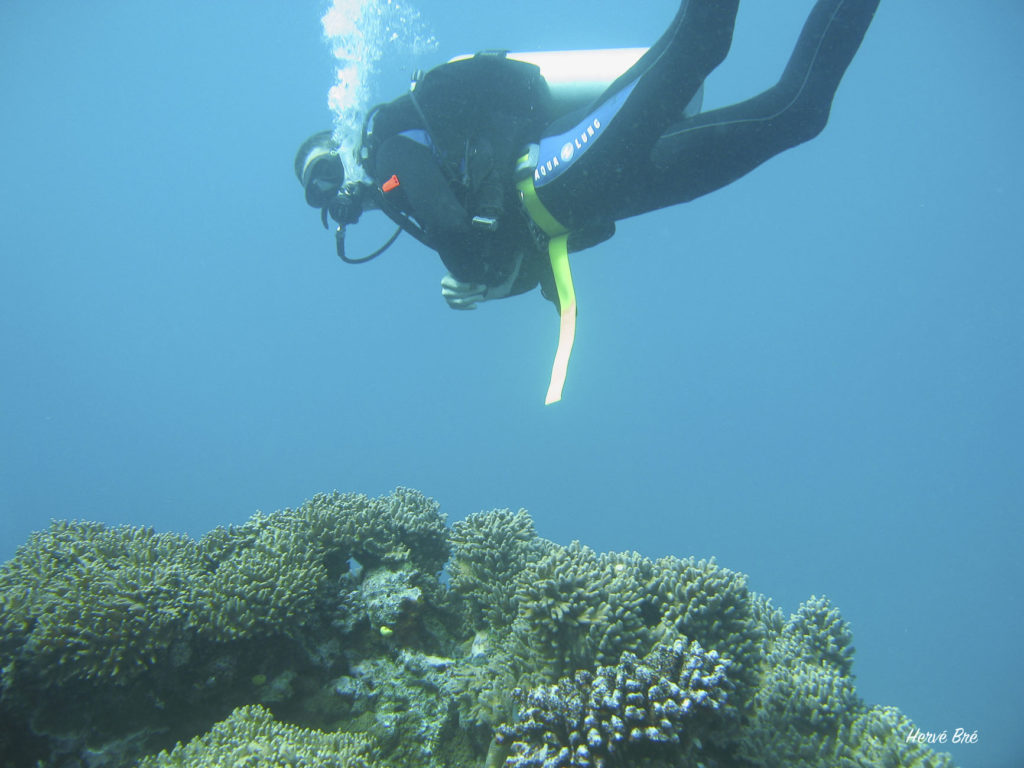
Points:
(450, 145)
(629, 152)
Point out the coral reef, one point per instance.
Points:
(367, 633)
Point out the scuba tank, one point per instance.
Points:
(577, 78)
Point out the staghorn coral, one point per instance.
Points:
(878, 737)
(800, 712)
(274, 568)
(700, 599)
(250, 738)
(258, 579)
(809, 716)
(804, 696)
(619, 715)
(821, 635)
(805, 711)
(82, 601)
(403, 527)
(577, 609)
(771, 621)
(489, 550)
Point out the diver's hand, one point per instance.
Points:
(460, 295)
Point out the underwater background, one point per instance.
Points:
(813, 375)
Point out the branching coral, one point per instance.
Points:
(82, 601)
(878, 737)
(806, 713)
(700, 599)
(258, 579)
(821, 635)
(616, 715)
(264, 574)
(251, 738)
(577, 609)
(403, 527)
(489, 551)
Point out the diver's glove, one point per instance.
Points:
(460, 295)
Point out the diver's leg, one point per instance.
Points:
(713, 149)
(668, 75)
(606, 142)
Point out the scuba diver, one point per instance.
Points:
(504, 167)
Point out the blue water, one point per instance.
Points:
(814, 375)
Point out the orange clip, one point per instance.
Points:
(390, 184)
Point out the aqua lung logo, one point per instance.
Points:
(568, 150)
